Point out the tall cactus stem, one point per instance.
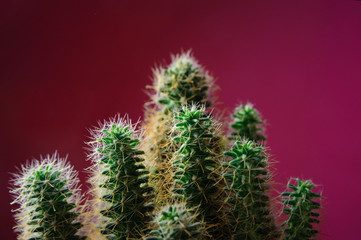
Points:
(248, 177)
(301, 205)
(48, 195)
(183, 82)
(121, 196)
(198, 174)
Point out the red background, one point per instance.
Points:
(64, 66)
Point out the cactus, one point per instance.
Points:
(176, 222)
(247, 123)
(183, 82)
(247, 178)
(119, 180)
(197, 164)
(301, 207)
(190, 185)
(48, 194)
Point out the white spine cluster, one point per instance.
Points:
(21, 192)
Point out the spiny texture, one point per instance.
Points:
(159, 149)
(183, 82)
(119, 181)
(176, 222)
(197, 163)
(247, 178)
(246, 123)
(301, 207)
(48, 194)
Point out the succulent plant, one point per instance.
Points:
(247, 123)
(176, 222)
(48, 196)
(248, 176)
(197, 164)
(120, 181)
(193, 183)
(183, 82)
(302, 206)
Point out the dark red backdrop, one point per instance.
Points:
(66, 65)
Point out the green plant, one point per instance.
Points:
(120, 181)
(183, 83)
(48, 194)
(247, 123)
(301, 206)
(176, 222)
(248, 176)
(194, 182)
(198, 164)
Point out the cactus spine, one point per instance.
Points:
(247, 178)
(247, 123)
(183, 82)
(48, 194)
(198, 165)
(119, 181)
(301, 207)
(176, 222)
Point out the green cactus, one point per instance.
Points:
(176, 222)
(247, 123)
(119, 181)
(185, 188)
(183, 82)
(248, 178)
(48, 194)
(198, 165)
(301, 207)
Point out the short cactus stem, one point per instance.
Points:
(247, 123)
(176, 222)
(48, 194)
(119, 181)
(301, 205)
(198, 164)
(247, 176)
(183, 82)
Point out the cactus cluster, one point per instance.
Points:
(177, 176)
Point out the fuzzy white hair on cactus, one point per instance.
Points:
(49, 181)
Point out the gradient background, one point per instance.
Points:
(66, 65)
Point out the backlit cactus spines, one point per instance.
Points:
(247, 178)
(187, 187)
(176, 222)
(301, 205)
(48, 193)
(183, 82)
(247, 123)
(198, 165)
(119, 181)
